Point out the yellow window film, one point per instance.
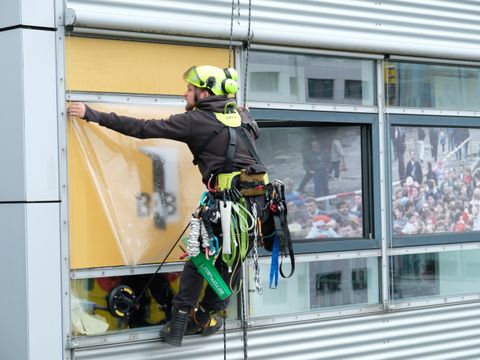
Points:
(129, 198)
(119, 66)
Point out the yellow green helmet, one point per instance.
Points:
(218, 81)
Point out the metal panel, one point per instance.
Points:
(26, 12)
(449, 332)
(38, 13)
(13, 339)
(40, 127)
(437, 28)
(28, 141)
(193, 347)
(9, 13)
(12, 184)
(43, 281)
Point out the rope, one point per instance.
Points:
(230, 50)
(244, 320)
(160, 266)
(249, 38)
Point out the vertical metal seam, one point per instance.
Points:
(385, 279)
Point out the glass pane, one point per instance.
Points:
(435, 179)
(127, 193)
(318, 285)
(436, 274)
(308, 78)
(90, 307)
(432, 86)
(90, 312)
(322, 171)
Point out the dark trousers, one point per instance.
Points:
(336, 169)
(308, 176)
(191, 282)
(191, 285)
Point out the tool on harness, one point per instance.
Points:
(226, 218)
(207, 269)
(204, 264)
(276, 197)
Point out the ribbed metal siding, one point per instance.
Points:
(450, 332)
(433, 28)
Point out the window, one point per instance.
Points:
(265, 81)
(432, 86)
(353, 89)
(318, 285)
(126, 193)
(321, 167)
(90, 303)
(320, 89)
(319, 79)
(91, 310)
(436, 274)
(435, 180)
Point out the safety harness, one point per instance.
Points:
(237, 192)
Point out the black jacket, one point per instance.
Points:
(192, 128)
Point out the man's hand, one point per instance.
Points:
(77, 109)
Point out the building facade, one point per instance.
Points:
(369, 115)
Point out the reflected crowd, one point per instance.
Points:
(438, 196)
(325, 217)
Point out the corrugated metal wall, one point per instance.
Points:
(433, 28)
(450, 332)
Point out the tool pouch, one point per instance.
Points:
(252, 180)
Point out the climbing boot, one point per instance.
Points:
(204, 322)
(173, 331)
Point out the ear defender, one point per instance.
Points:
(229, 86)
(231, 73)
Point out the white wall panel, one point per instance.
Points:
(29, 136)
(27, 12)
(434, 28)
(44, 307)
(13, 331)
(12, 152)
(9, 13)
(38, 13)
(40, 122)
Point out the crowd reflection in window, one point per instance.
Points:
(321, 169)
(436, 180)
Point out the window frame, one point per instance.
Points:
(368, 123)
(425, 62)
(430, 120)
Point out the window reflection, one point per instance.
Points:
(435, 274)
(321, 168)
(308, 78)
(432, 86)
(319, 285)
(436, 180)
(90, 309)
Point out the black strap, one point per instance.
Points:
(283, 234)
(242, 133)
(232, 144)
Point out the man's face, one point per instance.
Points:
(190, 97)
(344, 209)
